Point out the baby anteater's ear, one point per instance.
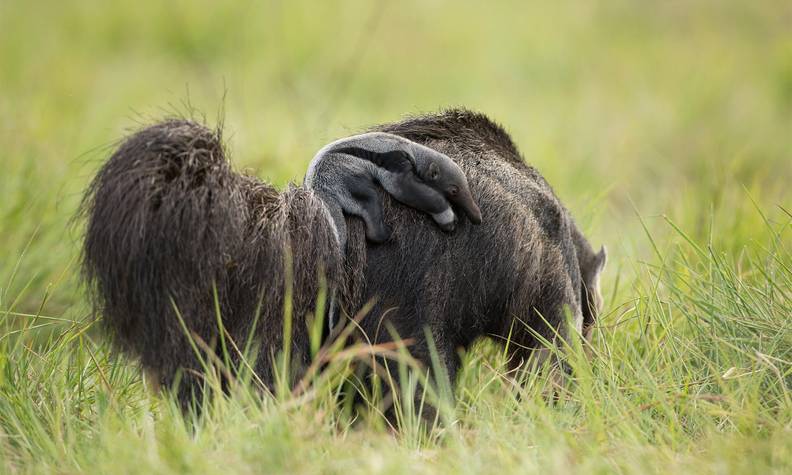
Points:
(433, 173)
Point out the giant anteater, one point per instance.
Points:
(175, 237)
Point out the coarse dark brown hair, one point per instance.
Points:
(172, 230)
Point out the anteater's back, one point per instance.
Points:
(520, 259)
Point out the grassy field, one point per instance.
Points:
(665, 127)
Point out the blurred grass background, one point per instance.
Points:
(676, 106)
(639, 114)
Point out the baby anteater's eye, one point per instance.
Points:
(453, 190)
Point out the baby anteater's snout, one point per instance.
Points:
(464, 199)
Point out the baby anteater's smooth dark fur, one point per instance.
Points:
(168, 220)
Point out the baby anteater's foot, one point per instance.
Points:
(446, 220)
(377, 232)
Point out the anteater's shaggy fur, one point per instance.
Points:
(170, 225)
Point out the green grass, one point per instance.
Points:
(664, 128)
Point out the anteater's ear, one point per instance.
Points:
(592, 297)
(600, 259)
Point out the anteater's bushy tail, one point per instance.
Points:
(173, 233)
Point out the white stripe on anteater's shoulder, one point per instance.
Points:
(331, 221)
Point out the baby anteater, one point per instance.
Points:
(348, 173)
